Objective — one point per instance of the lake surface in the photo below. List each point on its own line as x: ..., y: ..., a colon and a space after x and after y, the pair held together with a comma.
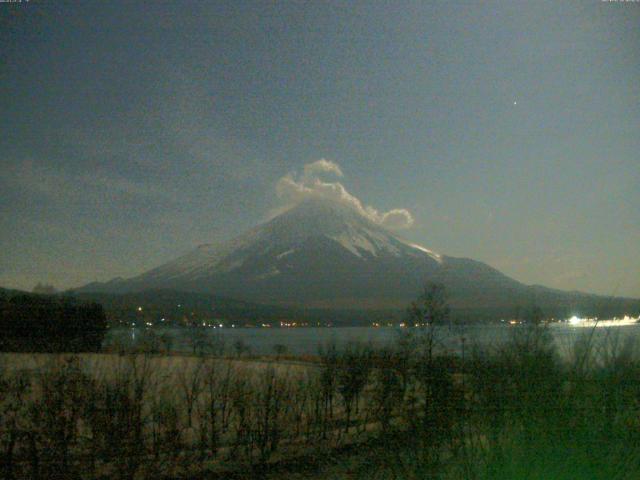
x: 301, y: 341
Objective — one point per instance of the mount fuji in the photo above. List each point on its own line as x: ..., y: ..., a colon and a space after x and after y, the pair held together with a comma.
x: 323, y: 254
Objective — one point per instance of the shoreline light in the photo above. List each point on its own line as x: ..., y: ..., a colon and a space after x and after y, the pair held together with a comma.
x: 576, y: 321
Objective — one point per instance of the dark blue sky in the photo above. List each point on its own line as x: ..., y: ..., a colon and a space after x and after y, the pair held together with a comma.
x: 133, y: 131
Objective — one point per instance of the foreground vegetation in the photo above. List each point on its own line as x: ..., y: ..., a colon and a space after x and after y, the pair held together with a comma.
x: 522, y: 410
x: 405, y: 411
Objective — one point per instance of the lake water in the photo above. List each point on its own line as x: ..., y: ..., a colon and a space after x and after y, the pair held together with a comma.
x: 300, y: 341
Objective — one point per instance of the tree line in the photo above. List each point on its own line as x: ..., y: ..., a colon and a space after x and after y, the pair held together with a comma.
x: 50, y: 323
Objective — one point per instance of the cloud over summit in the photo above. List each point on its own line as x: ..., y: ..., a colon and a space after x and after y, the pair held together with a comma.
x: 294, y: 189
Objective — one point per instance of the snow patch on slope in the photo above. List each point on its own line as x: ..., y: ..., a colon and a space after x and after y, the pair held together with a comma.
x: 432, y: 254
x: 359, y: 240
x: 354, y: 243
x: 284, y: 254
x: 271, y: 273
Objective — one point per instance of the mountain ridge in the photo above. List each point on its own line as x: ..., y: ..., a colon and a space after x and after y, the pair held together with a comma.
x: 323, y: 254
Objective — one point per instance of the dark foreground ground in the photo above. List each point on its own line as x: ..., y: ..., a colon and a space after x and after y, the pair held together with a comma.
x: 404, y: 411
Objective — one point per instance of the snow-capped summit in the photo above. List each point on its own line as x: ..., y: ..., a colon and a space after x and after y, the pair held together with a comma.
x: 330, y: 219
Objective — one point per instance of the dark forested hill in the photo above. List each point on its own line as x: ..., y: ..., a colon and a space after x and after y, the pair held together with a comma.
x: 36, y: 322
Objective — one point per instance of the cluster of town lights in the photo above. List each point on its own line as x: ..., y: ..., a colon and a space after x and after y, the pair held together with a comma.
x: 574, y: 321
x: 293, y: 324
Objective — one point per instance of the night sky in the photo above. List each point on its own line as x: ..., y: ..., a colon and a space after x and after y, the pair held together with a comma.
x: 133, y: 131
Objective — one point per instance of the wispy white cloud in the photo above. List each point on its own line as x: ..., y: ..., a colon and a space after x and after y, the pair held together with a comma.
x: 322, y: 166
x: 63, y: 185
x: 293, y: 189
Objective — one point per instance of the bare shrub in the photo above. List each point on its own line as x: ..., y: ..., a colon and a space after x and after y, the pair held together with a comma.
x: 55, y: 414
x: 328, y: 383
x: 190, y: 384
x: 387, y: 390
x: 240, y: 347
x: 119, y: 415
x: 279, y: 350
x: 14, y: 393
x: 354, y: 366
x: 240, y: 419
x: 270, y: 411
